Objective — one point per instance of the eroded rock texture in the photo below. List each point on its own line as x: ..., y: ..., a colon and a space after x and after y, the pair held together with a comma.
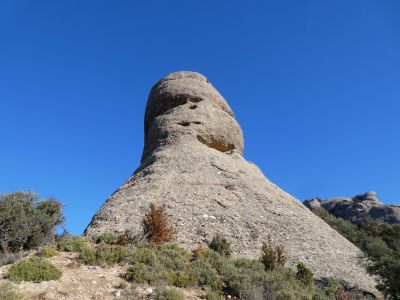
x: 192, y: 162
x: 358, y: 208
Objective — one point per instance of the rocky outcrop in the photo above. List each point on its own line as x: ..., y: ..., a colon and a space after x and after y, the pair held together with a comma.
x: 357, y: 208
x: 192, y: 162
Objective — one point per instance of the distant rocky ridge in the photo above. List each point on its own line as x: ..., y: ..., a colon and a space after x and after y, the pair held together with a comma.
x: 357, y: 208
x: 192, y: 162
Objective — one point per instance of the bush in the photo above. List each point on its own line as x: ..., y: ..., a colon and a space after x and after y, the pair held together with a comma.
x: 156, y: 226
x: 26, y: 222
x: 272, y: 256
x: 103, y: 255
x: 304, y: 274
x: 7, y: 292
x: 169, y: 294
x: 35, y: 269
x: 71, y: 244
x: 221, y: 245
x: 106, y: 237
x: 48, y: 251
x: 160, y: 263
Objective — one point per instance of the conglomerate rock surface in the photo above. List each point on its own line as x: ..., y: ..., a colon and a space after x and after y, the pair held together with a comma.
x: 192, y: 162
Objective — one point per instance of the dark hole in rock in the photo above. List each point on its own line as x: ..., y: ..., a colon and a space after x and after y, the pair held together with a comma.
x: 184, y: 123
x: 215, y: 144
x: 197, y: 122
x: 194, y: 106
x: 230, y: 187
x: 194, y: 99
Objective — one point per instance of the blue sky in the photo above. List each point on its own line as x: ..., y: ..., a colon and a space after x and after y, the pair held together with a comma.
x: 315, y: 86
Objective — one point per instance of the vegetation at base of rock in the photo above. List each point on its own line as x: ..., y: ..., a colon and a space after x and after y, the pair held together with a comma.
x: 34, y: 269
x: 221, y: 245
x: 106, y: 237
x: 218, y: 274
x: 48, y: 251
x: 156, y: 226
x: 71, y: 244
x: 169, y: 294
x: 103, y: 255
x: 272, y: 256
x: 380, y: 241
x: 27, y: 222
x: 304, y: 274
x: 7, y: 292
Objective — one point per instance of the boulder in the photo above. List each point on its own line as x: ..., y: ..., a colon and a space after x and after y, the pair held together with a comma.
x: 358, y: 208
x: 193, y: 163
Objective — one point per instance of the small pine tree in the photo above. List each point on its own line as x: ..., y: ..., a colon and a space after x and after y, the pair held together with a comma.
x: 156, y: 227
x: 272, y: 256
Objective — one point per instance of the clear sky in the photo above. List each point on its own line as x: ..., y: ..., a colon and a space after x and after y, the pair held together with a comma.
x: 315, y: 86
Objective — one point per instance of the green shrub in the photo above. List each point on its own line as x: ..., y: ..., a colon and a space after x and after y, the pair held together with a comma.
x: 71, y: 244
x: 272, y: 256
x: 213, y: 295
x: 221, y: 245
x: 166, y: 263
x: 169, y: 294
x: 7, y: 292
x: 205, y: 275
x: 48, y: 251
x: 26, y: 222
x: 106, y: 237
x: 304, y: 274
x: 103, y: 255
x: 35, y: 269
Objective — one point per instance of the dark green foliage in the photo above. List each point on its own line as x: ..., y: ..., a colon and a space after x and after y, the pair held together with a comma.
x: 272, y: 256
x: 7, y: 292
x: 221, y: 245
x: 379, y: 241
x: 169, y: 294
x: 26, y: 222
x: 35, y: 269
x: 388, y: 270
x: 304, y: 274
x: 71, y: 244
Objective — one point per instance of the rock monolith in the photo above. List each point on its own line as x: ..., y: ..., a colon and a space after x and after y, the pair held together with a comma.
x: 193, y: 163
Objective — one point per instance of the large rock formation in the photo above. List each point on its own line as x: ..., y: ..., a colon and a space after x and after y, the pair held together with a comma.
x: 192, y: 162
x: 357, y: 208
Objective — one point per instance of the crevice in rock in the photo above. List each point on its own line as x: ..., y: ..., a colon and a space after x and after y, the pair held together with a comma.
x: 184, y: 123
x: 230, y: 187
x: 215, y: 144
x: 196, y: 122
x: 194, y: 106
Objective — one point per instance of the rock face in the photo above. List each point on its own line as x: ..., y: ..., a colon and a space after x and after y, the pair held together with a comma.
x: 358, y: 208
x: 192, y: 162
